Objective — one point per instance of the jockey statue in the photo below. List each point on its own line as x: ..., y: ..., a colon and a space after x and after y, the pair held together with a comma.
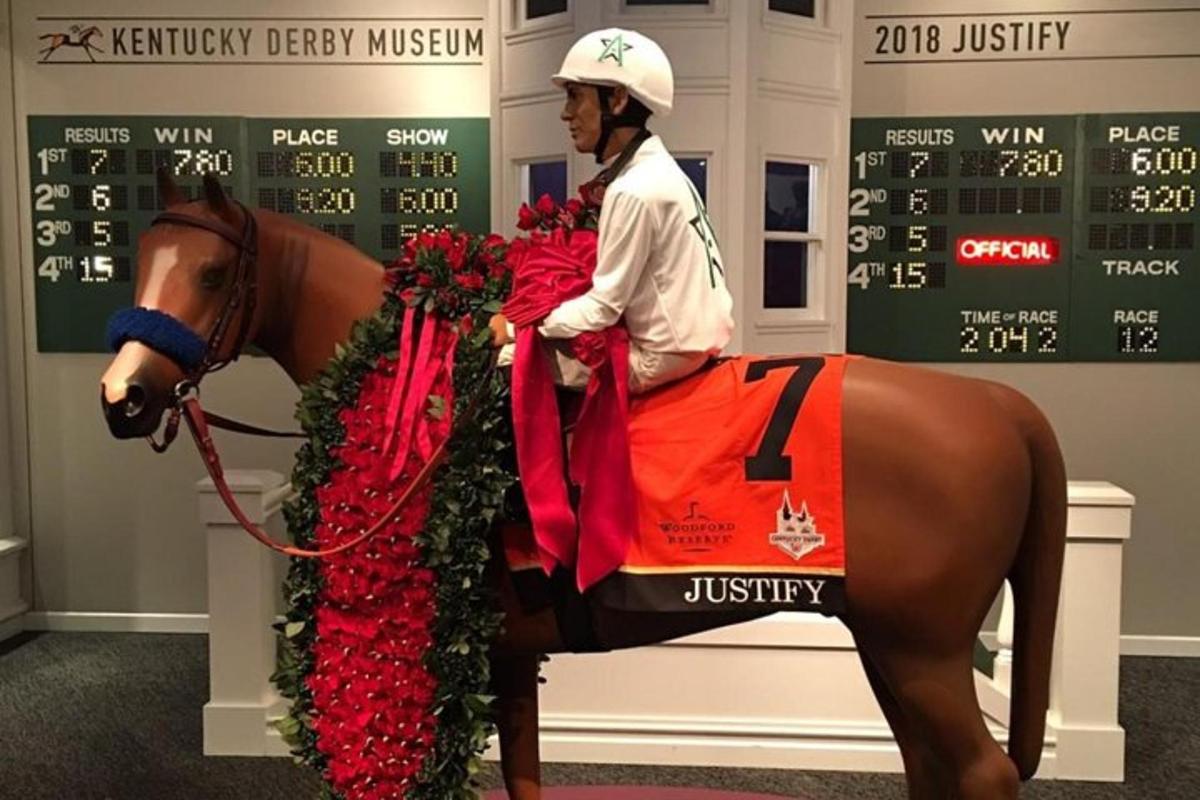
x: 658, y: 266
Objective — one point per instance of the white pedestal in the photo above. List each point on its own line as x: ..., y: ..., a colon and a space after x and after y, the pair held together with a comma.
x: 243, y: 586
x: 12, y: 605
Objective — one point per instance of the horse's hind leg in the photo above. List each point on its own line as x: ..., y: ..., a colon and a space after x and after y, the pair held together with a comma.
x: 923, y: 771
x: 936, y: 695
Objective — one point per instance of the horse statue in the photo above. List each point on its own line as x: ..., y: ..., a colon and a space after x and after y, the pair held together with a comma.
x: 952, y: 485
x: 83, y: 40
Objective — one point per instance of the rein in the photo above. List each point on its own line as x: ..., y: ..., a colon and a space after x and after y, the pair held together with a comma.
x: 185, y: 400
x: 197, y: 423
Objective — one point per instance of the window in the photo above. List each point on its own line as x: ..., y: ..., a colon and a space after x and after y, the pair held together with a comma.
x: 544, y: 8
x: 697, y: 171
x: 788, y: 232
x: 544, y: 177
x: 801, y: 8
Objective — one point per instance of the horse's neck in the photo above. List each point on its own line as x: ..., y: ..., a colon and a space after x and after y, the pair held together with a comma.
x: 313, y: 288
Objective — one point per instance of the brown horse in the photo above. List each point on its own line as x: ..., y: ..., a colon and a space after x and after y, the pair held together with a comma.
x: 951, y: 486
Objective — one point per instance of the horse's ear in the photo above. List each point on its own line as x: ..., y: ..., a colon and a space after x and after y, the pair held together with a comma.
x: 215, y: 195
x: 168, y: 190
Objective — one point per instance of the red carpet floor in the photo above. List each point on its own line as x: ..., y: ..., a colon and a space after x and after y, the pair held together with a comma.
x: 638, y: 793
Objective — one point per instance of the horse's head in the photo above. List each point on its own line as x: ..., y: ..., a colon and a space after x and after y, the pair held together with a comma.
x: 194, y: 288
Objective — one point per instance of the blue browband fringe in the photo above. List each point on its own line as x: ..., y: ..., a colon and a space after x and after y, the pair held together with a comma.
x: 160, y: 332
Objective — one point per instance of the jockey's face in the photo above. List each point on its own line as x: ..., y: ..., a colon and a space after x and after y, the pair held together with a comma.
x: 581, y: 112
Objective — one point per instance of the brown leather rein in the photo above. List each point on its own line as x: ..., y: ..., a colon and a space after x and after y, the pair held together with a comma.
x: 185, y: 400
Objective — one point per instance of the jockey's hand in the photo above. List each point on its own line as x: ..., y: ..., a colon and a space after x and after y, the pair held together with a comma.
x: 499, y: 326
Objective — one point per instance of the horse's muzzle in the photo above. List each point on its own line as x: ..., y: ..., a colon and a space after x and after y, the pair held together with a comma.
x: 135, y: 414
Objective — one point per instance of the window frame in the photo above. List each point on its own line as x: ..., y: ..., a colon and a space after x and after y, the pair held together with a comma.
x: 815, y: 238
x: 714, y: 9
x: 773, y: 18
x: 523, y: 182
x: 522, y: 24
x: 698, y: 155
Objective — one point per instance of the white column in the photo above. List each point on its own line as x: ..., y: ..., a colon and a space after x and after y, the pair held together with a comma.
x: 1085, y: 676
x: 243, y: 587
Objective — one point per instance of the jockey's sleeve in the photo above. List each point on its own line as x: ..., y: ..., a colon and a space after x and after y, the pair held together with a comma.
x: 626, y: 233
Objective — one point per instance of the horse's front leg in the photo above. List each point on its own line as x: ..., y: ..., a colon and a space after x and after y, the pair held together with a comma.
x: 515, y: 682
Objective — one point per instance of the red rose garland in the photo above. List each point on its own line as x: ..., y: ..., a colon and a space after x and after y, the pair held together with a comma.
x: 385, y: 645
x: 371, y: 691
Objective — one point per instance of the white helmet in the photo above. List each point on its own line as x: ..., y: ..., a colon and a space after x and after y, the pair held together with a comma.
x: 617, y: 57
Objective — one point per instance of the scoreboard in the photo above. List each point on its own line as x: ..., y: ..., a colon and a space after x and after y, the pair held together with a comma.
x: 373, y: 182
x: 1052, y: 238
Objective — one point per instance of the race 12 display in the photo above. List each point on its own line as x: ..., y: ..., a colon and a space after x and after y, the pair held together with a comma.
x: 371, y: 182
x: 1024, y: 238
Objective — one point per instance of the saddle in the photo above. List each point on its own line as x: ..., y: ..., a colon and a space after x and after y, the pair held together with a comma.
x: 738, y: 477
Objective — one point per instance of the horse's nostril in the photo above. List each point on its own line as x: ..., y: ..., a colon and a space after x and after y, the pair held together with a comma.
x: 135, y: 400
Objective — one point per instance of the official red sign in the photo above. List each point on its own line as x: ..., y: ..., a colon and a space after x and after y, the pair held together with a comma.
x: 1006, y: 251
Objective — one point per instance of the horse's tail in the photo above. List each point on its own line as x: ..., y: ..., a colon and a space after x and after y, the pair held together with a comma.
x: 1035, y: 577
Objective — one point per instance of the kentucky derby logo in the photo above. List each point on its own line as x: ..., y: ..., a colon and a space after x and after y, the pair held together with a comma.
x: 795, y: 534
x: 77, y: 36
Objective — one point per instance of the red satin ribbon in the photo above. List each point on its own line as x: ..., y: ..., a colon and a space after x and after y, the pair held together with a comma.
x: 410, y: 393
x: 602, y: 468
x: 553, y: 269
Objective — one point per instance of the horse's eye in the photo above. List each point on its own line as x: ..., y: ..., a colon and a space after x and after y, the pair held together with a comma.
x: 213, y: 277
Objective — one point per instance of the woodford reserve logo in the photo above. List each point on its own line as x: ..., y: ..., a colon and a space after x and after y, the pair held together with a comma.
x: 695, y: 532
x: 448, y: 41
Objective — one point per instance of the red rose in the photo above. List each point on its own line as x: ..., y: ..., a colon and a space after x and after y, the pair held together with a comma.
x: 574, y: 207
x: 469, y: 280
x: 445, y: 240
x: 425, y: 279
x: 592, y: 193
x: 527, y: 218
x: 456, y: 255
x: 590, y: 348
x: 546, y: 205
x: 493, y: 240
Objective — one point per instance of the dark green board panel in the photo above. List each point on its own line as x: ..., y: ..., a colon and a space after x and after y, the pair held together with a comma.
x: 1135, y: 278
x: 1017, y: 238
x: 371, y: 181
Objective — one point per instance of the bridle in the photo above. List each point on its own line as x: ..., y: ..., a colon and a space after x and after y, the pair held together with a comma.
x: 243, y: 293
x: 185, y: 398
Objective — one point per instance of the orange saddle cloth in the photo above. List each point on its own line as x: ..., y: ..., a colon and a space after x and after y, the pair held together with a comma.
x: 738, y: 472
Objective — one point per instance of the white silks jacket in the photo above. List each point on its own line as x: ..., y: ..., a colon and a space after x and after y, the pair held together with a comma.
x: 658, y: 266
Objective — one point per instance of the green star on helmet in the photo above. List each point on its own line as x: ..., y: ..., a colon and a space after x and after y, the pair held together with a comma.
x: 615, y: 49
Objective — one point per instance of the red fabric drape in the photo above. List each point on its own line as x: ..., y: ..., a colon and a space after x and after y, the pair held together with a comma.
x: 550, y: 270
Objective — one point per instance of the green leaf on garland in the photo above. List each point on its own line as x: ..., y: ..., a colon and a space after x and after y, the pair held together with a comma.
x: 437, y: 406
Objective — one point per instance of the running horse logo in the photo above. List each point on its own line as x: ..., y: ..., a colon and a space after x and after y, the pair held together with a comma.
x: 83, y: 38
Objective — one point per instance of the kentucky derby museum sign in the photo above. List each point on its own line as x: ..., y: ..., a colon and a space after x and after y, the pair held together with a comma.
x: 346, y: 124
x: 134, y: 40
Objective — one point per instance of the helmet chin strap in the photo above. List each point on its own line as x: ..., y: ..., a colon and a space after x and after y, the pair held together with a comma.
x: 609, y: 122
